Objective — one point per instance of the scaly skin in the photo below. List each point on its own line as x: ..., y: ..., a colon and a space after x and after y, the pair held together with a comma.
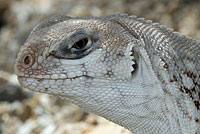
x: 138, y: 74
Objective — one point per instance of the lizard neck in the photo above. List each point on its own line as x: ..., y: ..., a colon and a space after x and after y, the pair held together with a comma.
x: 173, y: 57
x: 173, y: 64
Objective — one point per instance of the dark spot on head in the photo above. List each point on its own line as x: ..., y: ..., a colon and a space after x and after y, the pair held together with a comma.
x: 199, y: 95
x: 193, y: 89
x: 196, y: 84
x: 186, y: 90
x: 189, y: 74
x: 174, y: 77
x: 190, y: 117
x: 181, y: 90
x: 166, y: 66
x: 109, y: 73
x: 40, y: 80
x: 197, y: 120
x: 197, y: 104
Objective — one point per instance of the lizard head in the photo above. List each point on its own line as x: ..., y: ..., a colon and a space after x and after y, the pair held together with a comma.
x: 113, y: 66
x: 92, y: 62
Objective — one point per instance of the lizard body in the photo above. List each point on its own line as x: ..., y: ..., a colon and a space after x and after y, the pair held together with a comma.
x: 136, y: 73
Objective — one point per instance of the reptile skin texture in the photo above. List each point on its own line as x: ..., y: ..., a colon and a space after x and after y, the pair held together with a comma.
x: 131, y: 71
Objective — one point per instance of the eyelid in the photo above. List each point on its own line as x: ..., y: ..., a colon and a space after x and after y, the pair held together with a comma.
x: 65, y: 43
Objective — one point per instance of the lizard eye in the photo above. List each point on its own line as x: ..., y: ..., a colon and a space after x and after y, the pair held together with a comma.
x: 76, y: 46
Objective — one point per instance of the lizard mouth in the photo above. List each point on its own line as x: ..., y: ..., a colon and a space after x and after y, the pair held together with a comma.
x: 22, y: 75
x: 25, y: 78
x: 41, y: 79
x: 44, y: 84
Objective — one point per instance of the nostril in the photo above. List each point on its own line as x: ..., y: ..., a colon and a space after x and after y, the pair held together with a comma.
x: 28, y: 60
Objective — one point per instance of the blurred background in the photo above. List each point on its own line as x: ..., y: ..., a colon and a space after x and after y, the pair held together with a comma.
x: 25, y: 112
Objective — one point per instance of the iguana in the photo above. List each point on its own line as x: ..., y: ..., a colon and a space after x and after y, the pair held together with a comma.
x: 131, y: 71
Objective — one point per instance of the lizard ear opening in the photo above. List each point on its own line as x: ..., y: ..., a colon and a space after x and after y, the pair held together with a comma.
x: 127, y: 65
x: 134, y: 57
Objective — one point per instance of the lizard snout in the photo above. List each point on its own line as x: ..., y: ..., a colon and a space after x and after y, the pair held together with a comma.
x: 23, y: 62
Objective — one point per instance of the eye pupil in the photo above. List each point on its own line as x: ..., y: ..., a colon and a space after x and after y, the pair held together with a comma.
x: 81, y: 43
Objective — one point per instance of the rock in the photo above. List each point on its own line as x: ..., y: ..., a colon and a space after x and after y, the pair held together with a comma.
x: 12, y: 93
x: 9, y: 88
